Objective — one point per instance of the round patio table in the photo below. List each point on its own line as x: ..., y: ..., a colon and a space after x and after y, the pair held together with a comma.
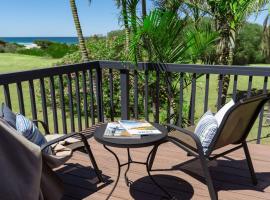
x: 144, y: 141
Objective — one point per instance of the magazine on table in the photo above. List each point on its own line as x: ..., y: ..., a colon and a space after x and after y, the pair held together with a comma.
x: 115, y: 130
x: 135, y: 127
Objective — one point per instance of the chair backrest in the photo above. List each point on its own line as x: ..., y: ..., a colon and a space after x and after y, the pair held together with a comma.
x: 22, y: 160
x: 238, y: 121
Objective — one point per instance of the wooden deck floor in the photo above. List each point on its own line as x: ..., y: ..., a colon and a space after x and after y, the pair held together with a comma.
x: 184, y: 181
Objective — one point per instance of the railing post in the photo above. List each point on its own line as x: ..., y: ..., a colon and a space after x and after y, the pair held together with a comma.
x: 124, y: 83
x: 261, y: 113
x: 99, y: 94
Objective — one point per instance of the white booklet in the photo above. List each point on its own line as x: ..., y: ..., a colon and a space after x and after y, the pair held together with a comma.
x: 135, y: 127
x: 115, y: 130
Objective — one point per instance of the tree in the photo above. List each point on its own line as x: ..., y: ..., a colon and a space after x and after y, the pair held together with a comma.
x: 171, y: 40
x: 124, y: 14
x: 129, y: 17
x: 266, y: 39
x: 229, y: 15
x: 247, y: 48
x: 132, y: 9
x: 77, y: 23
x: 168, y: 5
x: 144, y: 13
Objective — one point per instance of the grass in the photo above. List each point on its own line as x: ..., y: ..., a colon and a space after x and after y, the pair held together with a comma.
x: 15, y: 62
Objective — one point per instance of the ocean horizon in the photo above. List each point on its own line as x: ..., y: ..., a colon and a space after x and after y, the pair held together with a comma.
x: 30, y: 40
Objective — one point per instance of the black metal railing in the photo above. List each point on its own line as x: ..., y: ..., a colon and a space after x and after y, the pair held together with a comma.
x: 73, y: 97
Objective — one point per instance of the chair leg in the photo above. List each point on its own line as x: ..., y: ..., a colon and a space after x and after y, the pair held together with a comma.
x: 152, y: 158
x: 250, y: 165
x: 208, y: 178
x: 92, y: 159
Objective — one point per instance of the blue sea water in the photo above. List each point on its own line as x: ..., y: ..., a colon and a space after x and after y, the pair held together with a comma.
x: 30, y: 40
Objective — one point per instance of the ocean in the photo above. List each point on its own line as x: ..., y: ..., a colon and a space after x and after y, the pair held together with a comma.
x: 30, y: 40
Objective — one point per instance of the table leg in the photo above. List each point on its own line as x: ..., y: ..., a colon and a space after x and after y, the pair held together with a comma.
x: 128, y: 182
x: 119, y: 170
x: 148, y: 169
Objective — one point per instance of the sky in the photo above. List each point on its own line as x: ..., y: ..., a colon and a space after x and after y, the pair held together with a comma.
x: 37, y: 18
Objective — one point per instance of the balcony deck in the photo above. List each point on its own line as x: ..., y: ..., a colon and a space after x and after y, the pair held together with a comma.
x: 230, y: 175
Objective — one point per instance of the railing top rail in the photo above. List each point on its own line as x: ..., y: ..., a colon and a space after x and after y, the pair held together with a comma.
x: 20, y: 76
x: 190, y: 68
x: 14, y: 77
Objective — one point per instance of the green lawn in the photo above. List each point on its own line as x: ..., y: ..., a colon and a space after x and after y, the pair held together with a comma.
x: 15, y: 62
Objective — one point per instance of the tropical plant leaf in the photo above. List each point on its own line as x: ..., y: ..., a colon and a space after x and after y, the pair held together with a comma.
x: 171, y: 38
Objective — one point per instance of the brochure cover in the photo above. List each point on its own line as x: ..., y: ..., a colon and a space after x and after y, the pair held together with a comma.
x: 115, y: 130
x: 135, y: 127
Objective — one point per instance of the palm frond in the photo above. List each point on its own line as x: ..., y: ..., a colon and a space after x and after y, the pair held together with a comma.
x: 171, y: 38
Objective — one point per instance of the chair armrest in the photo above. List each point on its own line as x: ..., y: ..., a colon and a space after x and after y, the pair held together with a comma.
x: 194, y: 137
x: 61, y: 139
x: 44, y: 125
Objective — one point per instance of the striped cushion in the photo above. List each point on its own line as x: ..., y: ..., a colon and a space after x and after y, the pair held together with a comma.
x: 206, y: 129
x: 30, y: 131
x: 8, y: 115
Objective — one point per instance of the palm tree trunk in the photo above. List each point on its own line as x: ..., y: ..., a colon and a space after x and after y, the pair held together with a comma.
x: 146, y: 42
x: 133, y: 14
x: 127, y: 30
x: 224, y: 50
x: 82, y: 45
x: 144, y: 8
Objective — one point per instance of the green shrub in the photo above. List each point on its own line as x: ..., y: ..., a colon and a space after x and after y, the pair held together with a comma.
x: 100, y: 48
x: 2, y: 46
x: 54, y: 49
x: 71, y: 58
x: 32, y: 52
x: 2, y: 49
x: 43, y: 44
x: 50, y: 49
x: 259, y: 58
x: 58, y: 50
x: 6, y: 47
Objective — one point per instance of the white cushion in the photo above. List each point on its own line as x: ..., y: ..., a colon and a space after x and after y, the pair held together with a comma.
x: 67, y: 141
x: 206, y: 129
x: 221, y: 113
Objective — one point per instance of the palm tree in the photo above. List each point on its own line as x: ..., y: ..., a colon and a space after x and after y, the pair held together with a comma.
x: 171, y: 40
x: 129, y: 16
x: 229, y: 15
x: 82, y: 46
x: 124, y: 14
x: 144, y: 13
x: 132, y: 9
x: 168, y: 5
x: 236, y: 13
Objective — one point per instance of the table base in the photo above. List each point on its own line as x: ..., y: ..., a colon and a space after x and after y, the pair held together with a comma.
x: 129, y: 182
